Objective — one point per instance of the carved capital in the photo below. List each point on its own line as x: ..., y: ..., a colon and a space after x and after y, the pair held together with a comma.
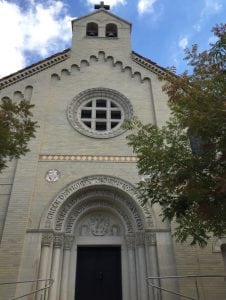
x: 68, y: 241
x: 58, y: 240
x: 150, y: 238
x: 130, y: 242
x: 140, y: 238
x: 47, y: 239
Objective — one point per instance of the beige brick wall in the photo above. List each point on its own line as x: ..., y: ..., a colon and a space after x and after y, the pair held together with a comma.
x: 22, y: 206
x: 193, y: 260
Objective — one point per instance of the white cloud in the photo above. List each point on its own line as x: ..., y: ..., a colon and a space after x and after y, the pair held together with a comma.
x: 212, y: 6
x: 212, y: 39
x: 183, y: 42
x: 145, y: 6
x: 40, y: 29
x: 108, y: 2
x: 197, y: 27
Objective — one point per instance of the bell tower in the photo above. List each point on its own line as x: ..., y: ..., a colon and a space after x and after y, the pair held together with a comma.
x: 101, y: 31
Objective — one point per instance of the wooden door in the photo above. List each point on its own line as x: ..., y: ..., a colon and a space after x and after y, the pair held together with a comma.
x: 98, y: 275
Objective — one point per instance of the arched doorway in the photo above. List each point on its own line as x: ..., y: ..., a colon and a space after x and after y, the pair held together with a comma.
x: 99, y: 213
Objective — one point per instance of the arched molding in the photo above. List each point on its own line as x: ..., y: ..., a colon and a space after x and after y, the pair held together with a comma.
x: 87, y: 206
x: 65, y: 72
x: 55, y: 77
x: 98, y: 220
x: 102, y: 57
x: 119, y: 190
x: 18, y: 96
x: 84, y: 63
x: 28, y: 92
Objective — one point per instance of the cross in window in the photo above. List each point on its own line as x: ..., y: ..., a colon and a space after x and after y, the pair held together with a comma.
x: 102, y: 5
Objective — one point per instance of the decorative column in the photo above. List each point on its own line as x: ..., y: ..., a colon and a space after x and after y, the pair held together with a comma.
x: 47, y: 240
x: 56, y: 266
x: 130, y: 243
x: 142, y: 268
x: 68, y: 242
x: 150, y: 240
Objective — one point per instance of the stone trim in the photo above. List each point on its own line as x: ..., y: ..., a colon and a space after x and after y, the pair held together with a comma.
x: 34, y: 69
x: 59, y: 57
x: 68, y: 241
x: 84, y: 207
x: 130, y: 242
x: 77, y: 206
x: 88, y: 158
x: 92, y: 181
x: 58, y: 240
x: 140, y: 239
x: 150, y: 238
x: 92, y: 94
x: 47, y: 239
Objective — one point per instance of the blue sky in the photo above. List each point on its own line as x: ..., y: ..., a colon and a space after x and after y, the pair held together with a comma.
x: 31, y: 30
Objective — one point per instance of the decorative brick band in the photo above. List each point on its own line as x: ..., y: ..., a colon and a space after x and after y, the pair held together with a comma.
x: 96, y: 158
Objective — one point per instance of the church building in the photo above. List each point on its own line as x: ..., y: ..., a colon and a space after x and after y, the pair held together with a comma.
x: 70, y: 210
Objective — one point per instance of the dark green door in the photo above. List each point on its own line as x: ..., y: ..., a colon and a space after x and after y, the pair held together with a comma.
x: 98, y: 275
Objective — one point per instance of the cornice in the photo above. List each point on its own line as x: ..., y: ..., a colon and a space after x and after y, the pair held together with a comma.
x: 34, y: 69
x: 62, y: 56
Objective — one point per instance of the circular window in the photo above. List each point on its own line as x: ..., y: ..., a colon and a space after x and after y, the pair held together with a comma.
x: 99, y: 112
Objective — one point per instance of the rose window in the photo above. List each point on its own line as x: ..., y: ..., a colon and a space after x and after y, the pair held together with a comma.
x: 99, y: 112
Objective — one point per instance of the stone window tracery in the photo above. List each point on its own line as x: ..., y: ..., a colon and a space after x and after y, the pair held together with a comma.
x: 99, y: 112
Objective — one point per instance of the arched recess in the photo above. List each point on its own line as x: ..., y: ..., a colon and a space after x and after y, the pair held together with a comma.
x: 98, y: 210
x: 92, y: 29
x: 111, y: 30
x: 75, y: 191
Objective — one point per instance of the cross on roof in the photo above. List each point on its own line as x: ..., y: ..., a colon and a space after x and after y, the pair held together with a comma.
x: 102, y: 5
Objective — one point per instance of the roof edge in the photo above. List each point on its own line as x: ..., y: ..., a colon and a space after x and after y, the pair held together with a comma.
x: 102, y: 10
x: 63, y: 55
x: 150, y: 65
x: 34, y: 68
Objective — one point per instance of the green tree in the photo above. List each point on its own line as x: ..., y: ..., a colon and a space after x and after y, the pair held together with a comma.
x: 16, y: 129
x: 184, y: 162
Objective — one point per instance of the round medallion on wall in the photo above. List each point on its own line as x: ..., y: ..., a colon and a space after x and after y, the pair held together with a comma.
x: 52, y: 175
x: 99, y: 112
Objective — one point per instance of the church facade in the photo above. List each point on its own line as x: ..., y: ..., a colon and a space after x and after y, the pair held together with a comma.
x: 69, y: 209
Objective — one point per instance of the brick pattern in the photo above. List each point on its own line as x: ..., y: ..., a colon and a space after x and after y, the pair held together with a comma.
x: 91, y: 63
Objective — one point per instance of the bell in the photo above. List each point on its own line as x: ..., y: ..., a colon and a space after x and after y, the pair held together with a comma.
x: 91, y: 33
x: 111, y: 34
